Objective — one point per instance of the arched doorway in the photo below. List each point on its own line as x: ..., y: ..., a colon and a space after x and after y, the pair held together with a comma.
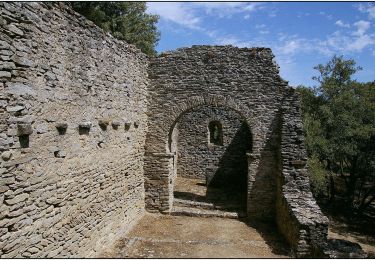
x: 209, y: 144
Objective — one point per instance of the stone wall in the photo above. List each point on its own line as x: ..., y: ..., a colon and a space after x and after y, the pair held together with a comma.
x: 196, y: 153
x: 244, y: 80
x: 72, y: 132
x: 299, y: 218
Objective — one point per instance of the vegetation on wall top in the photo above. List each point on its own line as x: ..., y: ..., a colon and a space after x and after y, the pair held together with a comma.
x: 126, y: 21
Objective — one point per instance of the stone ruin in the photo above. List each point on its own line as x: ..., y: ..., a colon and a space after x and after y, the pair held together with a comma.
x: 93, y: 134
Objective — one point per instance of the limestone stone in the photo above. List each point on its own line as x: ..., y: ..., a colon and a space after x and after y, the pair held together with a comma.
x: 13, y: 28
x: 7, y: 66
x: 15, y: 108
x: 6, y: 155
x: 24, y: 129
x: 41, y: 128
x: 5, y: 74
x: 20, y: 89
x: 17, y: 199
x: 85, y: 125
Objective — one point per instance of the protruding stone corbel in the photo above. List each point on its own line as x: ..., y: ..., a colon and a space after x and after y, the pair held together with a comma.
x: 116, y: 124
x: 24, y: 129
x: 84, y: 128
x: 103, y: 123
x: 61, y: 127
x: 127, y: 126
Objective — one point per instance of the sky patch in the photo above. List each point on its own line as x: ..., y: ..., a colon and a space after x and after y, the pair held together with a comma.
x: 300, y: 34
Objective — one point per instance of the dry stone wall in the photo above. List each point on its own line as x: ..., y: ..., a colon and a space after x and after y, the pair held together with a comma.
x: 299, y: 218
x: 72, y: 132
x: 187, y: 81
x: 245, y: 80
x: 196, y: 153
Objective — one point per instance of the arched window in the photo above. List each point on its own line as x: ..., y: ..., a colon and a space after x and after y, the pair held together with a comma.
x: 215, y: 133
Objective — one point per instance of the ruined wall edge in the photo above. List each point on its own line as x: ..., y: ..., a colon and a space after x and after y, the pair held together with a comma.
x: 298, y: 216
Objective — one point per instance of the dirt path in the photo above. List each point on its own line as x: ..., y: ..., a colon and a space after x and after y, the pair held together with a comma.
x: 165, y: 236
x: 366, y: 242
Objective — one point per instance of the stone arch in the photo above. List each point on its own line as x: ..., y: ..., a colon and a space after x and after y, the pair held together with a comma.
x: 160, y: 165
x: 198, y: 101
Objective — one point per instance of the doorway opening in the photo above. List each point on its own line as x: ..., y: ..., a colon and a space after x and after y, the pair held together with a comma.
x: 210, y: 163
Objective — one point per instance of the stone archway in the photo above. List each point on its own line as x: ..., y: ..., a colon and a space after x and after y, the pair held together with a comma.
x: 205, y: 173
x: 162, y: 165
x: 245, y: 81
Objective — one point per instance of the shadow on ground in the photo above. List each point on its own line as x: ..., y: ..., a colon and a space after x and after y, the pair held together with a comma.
x: 271, y: 235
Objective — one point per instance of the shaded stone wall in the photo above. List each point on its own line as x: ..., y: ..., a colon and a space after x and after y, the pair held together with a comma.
x: 197, y: 156
x: 72, y: 131
x: 245, y: 80
x: 299, y: 218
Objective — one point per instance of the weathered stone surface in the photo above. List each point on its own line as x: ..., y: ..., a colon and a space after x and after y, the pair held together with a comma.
x: 6, y: 155
x: 24, y: 129
x: 14, y: 29
x: 85, y: 125
x: 17, y: 199
x: 20, y: 89
x: 7, y: 66
x: 5, y: 74
x: 41, y: 128
x: 56, y: 186
x: 15, y: 108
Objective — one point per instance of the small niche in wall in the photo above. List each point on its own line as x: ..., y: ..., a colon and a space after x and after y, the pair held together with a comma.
x: 215, y: 132
x: 127, y: 126
x: 24, y: 141
x: 136, y: 124
x: 84, y: 128
x: 24, y: 131
x: 61, y: 128
x: 103, y: 123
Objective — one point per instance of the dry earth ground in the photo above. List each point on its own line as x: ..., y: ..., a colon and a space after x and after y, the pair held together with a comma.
x: 166, y: 236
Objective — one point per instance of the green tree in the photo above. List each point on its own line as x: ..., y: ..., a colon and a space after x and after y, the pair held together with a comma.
x: 126, y: 21
x: 339, y: 121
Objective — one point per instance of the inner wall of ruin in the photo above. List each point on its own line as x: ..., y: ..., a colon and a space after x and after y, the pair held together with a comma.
x: 243, y: 80
x: 73, y: 124
x: 197, y: 151
x: 186, y: 82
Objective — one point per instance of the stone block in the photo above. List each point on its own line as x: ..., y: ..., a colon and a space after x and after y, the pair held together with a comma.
x: 41, y: 128
x: 24, y: 129
x: 17, y: 199
x: 5, y: 74
x: 116, y: 124
x: 6, y: 155
x: 20, y: 89
x: 15, y: 108
x: 14, y: 29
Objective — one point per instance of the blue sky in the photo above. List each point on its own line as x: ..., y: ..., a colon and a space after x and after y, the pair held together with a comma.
x: 300, y: 34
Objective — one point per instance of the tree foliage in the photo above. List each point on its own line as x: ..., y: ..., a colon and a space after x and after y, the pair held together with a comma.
x: 339, y: 121
x: 126, y: 21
